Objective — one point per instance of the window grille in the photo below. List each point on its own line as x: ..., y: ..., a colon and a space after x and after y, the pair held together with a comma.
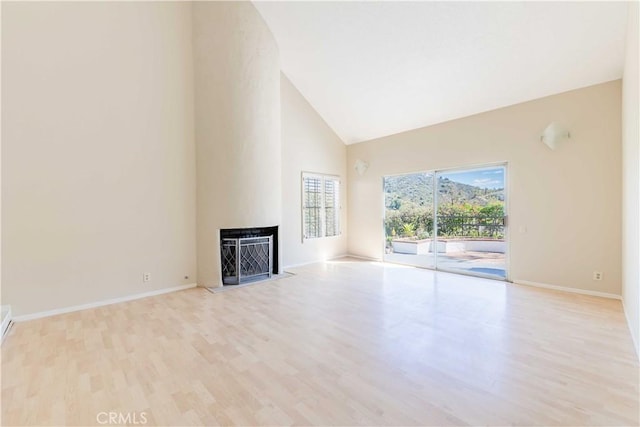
x: 331, y: 204
x: 320, y: 206
x: 312, y: 206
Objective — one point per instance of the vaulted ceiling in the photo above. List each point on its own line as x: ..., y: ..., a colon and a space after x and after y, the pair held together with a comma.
x: 372, y: 69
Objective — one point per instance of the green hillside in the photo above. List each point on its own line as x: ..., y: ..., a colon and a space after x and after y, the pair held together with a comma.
x: 415, y: 190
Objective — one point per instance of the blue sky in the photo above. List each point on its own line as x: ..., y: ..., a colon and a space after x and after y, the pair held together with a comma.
x: 483, y: 178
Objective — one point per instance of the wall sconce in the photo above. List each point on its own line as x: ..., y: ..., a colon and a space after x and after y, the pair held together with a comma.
x: 553, y: 134
x: 361, y: 167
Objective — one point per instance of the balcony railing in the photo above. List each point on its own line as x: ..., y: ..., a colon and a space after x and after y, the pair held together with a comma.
x: 471, y: 226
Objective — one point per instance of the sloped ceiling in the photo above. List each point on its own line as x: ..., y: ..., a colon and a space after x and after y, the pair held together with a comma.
x: 372, y: 69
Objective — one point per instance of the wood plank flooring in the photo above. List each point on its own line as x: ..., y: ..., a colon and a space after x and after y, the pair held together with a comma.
x: 339, y: 343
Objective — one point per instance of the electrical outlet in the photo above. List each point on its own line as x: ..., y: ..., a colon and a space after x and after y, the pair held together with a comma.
x: 146, y: 277
x: 597, y: 275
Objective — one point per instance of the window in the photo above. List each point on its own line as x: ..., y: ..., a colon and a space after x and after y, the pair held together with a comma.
x: 320, y: 206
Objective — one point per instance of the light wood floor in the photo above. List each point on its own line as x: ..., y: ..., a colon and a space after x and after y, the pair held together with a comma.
x: 342, y: 343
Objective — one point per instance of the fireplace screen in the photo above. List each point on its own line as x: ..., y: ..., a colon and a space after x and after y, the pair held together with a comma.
x: 246, y: 259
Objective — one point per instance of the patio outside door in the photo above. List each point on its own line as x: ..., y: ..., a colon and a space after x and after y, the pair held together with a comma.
x: 409, y: 217
x: 471, y: 221
x: 451, y: 220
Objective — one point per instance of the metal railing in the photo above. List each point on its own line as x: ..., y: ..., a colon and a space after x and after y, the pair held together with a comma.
x: 471, y: 226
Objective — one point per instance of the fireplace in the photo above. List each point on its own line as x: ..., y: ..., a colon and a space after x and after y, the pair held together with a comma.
x: 248, y: 254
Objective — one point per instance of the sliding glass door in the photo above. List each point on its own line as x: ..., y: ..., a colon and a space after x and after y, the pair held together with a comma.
x: 408, y: 220
x: 470, y: 221
x: 451, y: 220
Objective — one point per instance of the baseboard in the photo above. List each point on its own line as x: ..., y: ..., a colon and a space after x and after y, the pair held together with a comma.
x: 5, y: 325
x: 71, y: 309
x: 566, y: 289
x: 633, y: 338
x: 364, y: 258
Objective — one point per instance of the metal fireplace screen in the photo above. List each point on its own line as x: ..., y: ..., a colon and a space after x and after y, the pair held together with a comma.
x: 246, y: 259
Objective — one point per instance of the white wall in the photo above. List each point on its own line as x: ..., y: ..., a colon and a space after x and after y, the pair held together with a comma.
x: 1, y: 300
x: 98, y: 157
x: 569, y: 199
x: 631, y: 178
x: 237, y: 110
x: 309, y: 145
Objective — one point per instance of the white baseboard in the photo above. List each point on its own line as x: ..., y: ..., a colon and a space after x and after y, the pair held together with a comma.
x: 364, y: 258
x: 633, y: 338
x: 566, y: 289
x: 71, y: 309
x: 6, y: 322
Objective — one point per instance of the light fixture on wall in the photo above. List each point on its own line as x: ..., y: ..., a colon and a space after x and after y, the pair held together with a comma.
x: 553, y: 134
x: 361, y: 166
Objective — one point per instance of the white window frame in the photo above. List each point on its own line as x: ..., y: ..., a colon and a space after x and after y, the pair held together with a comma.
x: 323, y: 220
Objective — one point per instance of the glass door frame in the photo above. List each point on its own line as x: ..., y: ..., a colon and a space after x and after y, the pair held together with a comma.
x: 435, y: 173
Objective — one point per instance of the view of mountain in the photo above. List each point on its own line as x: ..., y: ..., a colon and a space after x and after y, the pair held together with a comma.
x: 415, y: 190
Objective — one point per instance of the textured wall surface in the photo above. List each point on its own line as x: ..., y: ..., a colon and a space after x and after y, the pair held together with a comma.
x: 237, y: 117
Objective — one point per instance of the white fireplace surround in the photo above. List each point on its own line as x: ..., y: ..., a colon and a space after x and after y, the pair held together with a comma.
x: 237, y: 127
